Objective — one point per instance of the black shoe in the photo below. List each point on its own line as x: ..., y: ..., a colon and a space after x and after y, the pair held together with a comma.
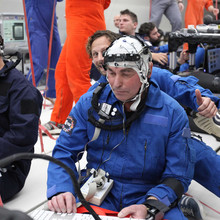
x: 191, y: 207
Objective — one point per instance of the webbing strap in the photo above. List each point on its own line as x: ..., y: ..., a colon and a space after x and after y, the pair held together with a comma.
x: 29, y: 44
x: 32, y: 66
x: 92, y: 191
x: 42, y: 128
x: 50, y: 46
x: 1, y: 203
x: 150, y: 9
x: 98, y: 210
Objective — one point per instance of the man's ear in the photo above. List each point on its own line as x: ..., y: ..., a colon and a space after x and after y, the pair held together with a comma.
x: 135, y: 25
x: 150, y: 69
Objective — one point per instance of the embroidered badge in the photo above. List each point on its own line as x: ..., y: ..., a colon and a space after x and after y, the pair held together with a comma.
x: 69, y: 125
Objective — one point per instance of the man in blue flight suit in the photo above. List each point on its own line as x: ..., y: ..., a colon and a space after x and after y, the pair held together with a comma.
x: 148, y: 172
x: 149, y: 32
x: 20, y: 108
x: 39, y: 16
x: 187, y: 92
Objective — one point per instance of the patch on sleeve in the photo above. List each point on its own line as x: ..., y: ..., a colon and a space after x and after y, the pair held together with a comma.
x: 156, y: 120
x: 186, y: 133
x: 69, y: 125
x: 29, y: 106
x: 4, y: 88
x: 175, y: 77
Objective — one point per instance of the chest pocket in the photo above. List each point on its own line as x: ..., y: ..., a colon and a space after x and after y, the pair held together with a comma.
x: 153, y: 164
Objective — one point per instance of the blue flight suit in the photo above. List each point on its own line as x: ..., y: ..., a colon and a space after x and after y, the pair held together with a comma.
x: 207, y: 167
x: 141, y: 159
x: 199, y: 57
x: 39, y: 16
x: 20, y: 108
x: 183, y: 89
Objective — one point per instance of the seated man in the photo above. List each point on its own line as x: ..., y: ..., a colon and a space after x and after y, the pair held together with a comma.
x: 149, y: 32
x: 127, y: 26
x: 147, y: 171
x: 186, y: 91
x: 20, y: 108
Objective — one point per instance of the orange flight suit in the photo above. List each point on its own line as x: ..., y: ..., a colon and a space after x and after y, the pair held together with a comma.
x: 83, y: 18
x: 195, y: 11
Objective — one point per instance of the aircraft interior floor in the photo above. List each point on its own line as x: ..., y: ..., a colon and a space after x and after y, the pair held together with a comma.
x: 34, y: 192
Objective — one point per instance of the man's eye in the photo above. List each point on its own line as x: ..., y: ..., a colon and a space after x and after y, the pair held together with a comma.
x: 94, y: 54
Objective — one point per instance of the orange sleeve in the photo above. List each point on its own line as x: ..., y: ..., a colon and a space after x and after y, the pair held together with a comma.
x: 107, y: 3
x: 208, y: 3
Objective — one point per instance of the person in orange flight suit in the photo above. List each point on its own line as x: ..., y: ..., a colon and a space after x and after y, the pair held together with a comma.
x: 195, y: 12
x: 83, y: 18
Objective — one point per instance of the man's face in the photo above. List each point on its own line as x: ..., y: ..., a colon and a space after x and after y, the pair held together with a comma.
x: 98, y: 47
x: 126, y: 25
x: 154, y: 35
x: 117, y: 20
x: 125, y: 82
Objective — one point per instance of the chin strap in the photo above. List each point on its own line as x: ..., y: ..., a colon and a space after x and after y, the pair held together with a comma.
x: 137, y: 98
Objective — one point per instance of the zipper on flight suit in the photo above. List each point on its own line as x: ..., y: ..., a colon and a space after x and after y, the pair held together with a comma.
x: 145, y: 151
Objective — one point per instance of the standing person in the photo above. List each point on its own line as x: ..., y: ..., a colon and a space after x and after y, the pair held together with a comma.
x: 127, y: 26
x: 195, y: 11
x: 170, y: 8
x: 156, y: 171
x: 116, y: 20
x: 39, y: 18
x: 83, y: 18
x: 20, y: 108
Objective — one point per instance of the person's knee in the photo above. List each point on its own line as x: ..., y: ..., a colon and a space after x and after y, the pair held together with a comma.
x: 12, y: 181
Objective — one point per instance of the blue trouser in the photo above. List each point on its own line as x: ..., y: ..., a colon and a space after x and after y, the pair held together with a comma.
x: 207, y: 167
x: 39, y: 15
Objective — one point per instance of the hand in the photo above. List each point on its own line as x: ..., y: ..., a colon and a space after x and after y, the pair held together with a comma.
x: 184, y: 56
x: 181, y: 6
x: 62, y: 203
x: 135, y: 211
x: 161, y: 58
x: 215, y: 11
x: 207, y: 107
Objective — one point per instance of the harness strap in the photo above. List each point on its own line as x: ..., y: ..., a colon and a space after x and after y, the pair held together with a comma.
x: 1, y: 203
x: 29, y: 44
x: 98, y: 210
x: 50, y: 46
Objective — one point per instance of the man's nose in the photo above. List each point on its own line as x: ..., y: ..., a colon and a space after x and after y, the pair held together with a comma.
x: 117, y: 81
x: 100, y: 57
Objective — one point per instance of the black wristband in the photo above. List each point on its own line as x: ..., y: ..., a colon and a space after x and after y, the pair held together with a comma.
x: 156, y: 204
x: 180, y: 2
x: 155, y: 209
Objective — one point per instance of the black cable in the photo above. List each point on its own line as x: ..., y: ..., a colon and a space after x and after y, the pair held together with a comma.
x: 8, y: 160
